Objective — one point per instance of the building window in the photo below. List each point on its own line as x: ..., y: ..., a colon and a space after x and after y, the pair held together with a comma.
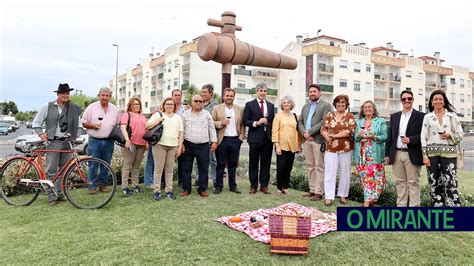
x: 356, y: 66
x: 175, y: 82
x: 468, y: 112
x: 356, y: 85
x: 169, y: 87
x: 331, y: 43
x: 453, y: 81
x: 468, y: 83
x: 128, y: 94
x: 241, y: 84
x: 461, y: 83
x: 408, y: 89
x: 420, y: 108
x: 462, y: 111
x: 146, y: 104
x: 241, y: 67
x: 387, y: 53
x: 343, y: 83
x: 291, y: 82
x: 461, y: 97
x: 176, y: 63
x: 420, y: 75
x: 368, y: 86
x: 368, y: 68
x: 408, y: 74
x: 420, y: 92
x: 342, y: 63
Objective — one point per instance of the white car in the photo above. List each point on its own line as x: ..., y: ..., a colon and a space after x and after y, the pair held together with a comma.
x: 22, y: 140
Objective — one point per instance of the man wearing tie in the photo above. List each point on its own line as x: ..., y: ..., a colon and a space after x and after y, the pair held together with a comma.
x: 258, y: 117
x: 309, y: 125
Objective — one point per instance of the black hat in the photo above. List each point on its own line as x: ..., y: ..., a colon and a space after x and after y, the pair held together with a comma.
x: 63, y: 88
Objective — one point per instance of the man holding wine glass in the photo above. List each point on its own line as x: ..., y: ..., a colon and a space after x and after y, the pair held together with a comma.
x: 230, y: 134
x: 258, y: 117
x: 403, y: 151
x: 99, y: 119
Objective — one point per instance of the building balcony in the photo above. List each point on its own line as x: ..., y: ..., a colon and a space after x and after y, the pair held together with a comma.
x: 186, y: 68
x: 243, y: 72
x: 244, y: 91
x: 272, y: 92
x: 265, y: 74
x: 326, y: 69
x: 327, y: 88
x: 380, y: 94
x: 395, y: 78
x: 380, y: 77
x: 430, y: 83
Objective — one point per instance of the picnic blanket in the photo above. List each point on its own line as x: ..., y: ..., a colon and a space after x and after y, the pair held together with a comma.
x: 321, y: 222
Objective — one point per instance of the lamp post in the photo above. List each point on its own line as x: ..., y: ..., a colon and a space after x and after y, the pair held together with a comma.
x: 317, y: 56
x: 116, y: 73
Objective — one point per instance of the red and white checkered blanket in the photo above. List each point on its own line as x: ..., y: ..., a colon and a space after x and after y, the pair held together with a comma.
x: 321, y: 222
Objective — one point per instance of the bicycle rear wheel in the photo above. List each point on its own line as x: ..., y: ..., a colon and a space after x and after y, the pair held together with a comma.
x: 90, y: 184
x: 19, y: 182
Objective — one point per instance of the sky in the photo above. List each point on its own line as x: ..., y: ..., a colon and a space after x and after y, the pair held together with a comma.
x: 44, y: 43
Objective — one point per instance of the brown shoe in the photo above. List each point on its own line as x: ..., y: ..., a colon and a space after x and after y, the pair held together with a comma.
x: 343, y: 200
x: 265, y: 190
x: 103, y: 189
x: 316, y: 197
x: 53, y: 202
x: 252, y: 191
x: 92, y: 192
x: 327, y: 203
x: 309, y: 194
x: 184, y: 194
x: 204, y: 194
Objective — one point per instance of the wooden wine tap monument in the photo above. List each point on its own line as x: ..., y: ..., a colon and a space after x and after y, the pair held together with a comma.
x: 224, y: 48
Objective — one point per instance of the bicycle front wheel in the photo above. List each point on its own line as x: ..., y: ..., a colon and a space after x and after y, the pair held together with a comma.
x: 89, y: 184
x: 19, y: 184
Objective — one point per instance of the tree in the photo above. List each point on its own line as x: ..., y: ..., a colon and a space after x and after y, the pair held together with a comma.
x: 193, y: 90
x: 82, y: 100
x: 25, y: 116
x: 8, y: 107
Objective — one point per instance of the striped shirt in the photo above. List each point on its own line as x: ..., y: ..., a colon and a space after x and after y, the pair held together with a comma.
x: 199, y: 127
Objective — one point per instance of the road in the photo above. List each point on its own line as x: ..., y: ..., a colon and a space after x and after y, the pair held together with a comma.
x: 7, y: 146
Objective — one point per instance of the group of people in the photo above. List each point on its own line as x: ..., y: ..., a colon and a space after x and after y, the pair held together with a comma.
x: 330, y: 137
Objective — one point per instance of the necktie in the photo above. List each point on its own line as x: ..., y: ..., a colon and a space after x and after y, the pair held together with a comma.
x: 261, y: 107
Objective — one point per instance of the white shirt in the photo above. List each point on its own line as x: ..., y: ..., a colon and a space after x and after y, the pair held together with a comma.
x: 231, y: 128
x: 402, y: 129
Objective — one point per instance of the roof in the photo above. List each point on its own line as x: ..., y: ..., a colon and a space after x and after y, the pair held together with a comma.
x: 381, y: 48
x: 324, y: 37
x: 429, y: 58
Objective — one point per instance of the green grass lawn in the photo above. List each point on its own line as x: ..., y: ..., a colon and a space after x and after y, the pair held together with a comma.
x: 140, y: 230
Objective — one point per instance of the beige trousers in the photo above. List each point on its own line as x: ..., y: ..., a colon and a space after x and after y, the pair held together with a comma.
x: 407, y: 180
x: 164, y: 157
x: 131, y: 165
x: 315, y: 166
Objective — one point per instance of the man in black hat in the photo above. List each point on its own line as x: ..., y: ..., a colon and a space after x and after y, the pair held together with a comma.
x: 60, y: 117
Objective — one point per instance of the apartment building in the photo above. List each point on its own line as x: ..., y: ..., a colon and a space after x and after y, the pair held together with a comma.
x: 379, y: 74
x: 180, y: 67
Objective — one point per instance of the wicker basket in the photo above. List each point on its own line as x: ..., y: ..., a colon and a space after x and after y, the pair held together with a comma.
x: 289, y: 233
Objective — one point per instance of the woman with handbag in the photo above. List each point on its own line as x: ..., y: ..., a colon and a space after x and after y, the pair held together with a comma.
x: 287, y: 141
x: 337, y: 129
x: 132, y: 125
x: 369, y: 153
x: 168, y: 148
x: 440, y: 134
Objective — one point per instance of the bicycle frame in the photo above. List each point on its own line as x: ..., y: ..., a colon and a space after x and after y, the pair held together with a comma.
x: 37, y: 162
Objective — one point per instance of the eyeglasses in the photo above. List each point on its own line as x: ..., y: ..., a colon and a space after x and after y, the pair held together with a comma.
x: 197, y: 101
x: 407, y: 99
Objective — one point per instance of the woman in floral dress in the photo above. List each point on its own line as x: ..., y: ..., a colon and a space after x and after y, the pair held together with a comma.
x: 369, y: 153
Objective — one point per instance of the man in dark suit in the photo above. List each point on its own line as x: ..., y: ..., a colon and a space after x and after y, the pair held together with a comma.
x: 403, y: 151
x: 309, y: 125
x: 258, y: 117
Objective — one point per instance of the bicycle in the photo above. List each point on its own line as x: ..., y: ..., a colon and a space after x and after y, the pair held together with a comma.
x: 23, y: 178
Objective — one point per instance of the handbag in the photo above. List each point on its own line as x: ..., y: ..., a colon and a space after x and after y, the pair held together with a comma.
x: 116, y: 134
x: 153, y: 135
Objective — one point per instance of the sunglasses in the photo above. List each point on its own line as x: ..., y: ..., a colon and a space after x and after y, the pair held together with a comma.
x: 407, y: 99
x: 197, y: 101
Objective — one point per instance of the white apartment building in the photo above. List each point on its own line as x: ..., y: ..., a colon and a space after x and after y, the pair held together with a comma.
x: 179, y: 67
x: 379, y: 74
